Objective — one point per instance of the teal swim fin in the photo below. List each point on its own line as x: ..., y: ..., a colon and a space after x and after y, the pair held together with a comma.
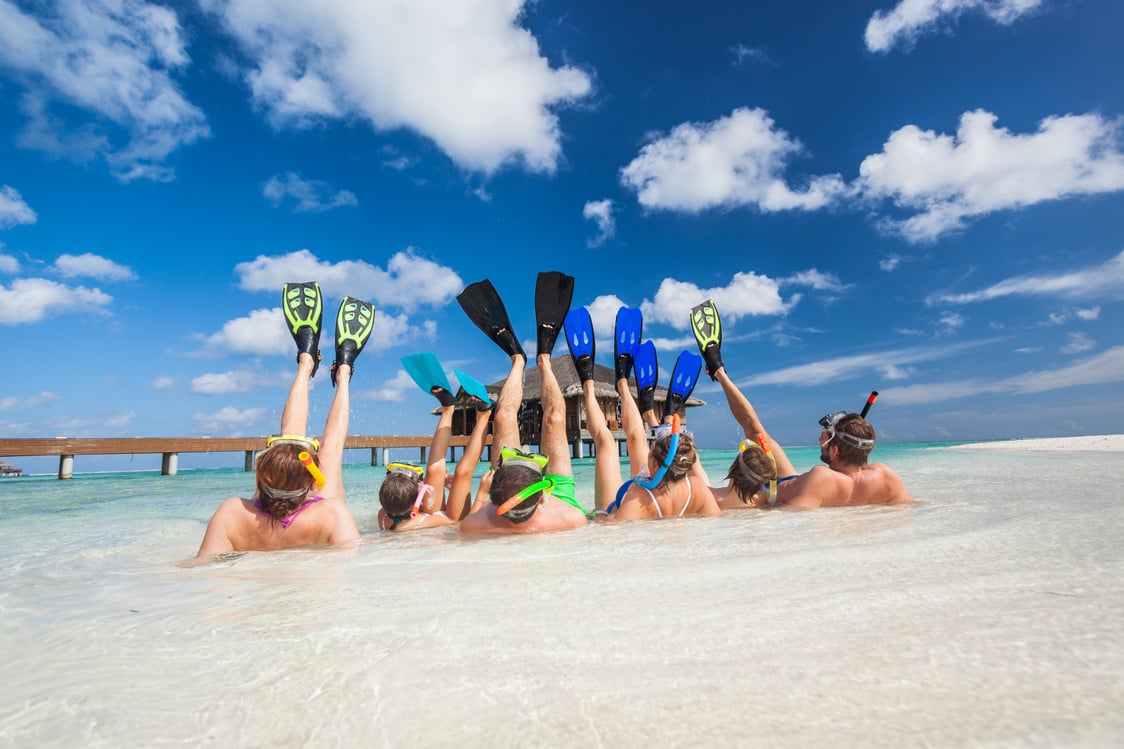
x: 304, y: 313
x: 354, y: 323
x: 647, y: 373
x: 553, y: 293
x: 475, y: 390
x: 426, y: 371
x: 630, y: 323
x: 683, y: 378
x: 485, y: 308
x: 579, y: 337
x: 707, y: 327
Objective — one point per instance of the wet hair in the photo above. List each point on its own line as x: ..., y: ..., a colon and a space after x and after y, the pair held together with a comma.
x: 751, y: 460
x: 509, y: 481
x: 855, y: 426
x: 398, y: 494
x: 685, y: 457
x: 281, y: 474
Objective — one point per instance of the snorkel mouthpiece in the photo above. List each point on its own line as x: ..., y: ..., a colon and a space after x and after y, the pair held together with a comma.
x: 306, y: 461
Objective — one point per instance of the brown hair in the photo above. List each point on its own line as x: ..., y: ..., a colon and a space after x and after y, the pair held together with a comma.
x: 855, y: 426
x: 751, y: 460
x: 279, y: 471
x: 684, y: 458
x: 509, y: 481
x: 398, y: 494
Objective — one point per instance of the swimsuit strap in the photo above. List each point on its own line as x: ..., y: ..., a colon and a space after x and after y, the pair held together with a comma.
x: 287, y: 521
x: 656, y: 502
x: 688, y: 502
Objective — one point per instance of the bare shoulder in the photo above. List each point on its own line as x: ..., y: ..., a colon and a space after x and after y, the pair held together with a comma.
x: 481, y: 521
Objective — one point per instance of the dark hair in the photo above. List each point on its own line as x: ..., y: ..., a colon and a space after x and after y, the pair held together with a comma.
x: 279, y: 470
x: 509, y: 481
x: 752, y: 460
x: 855, y: 426
x: 398, y: 493
x: 685, y: 457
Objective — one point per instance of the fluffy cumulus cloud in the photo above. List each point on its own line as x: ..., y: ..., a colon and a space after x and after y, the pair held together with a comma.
x: 1104, y: 280
x: 113, y: 60
x: 601, y: 213
x: 909, y: 19
x: 229, y: 421
x: 224, y: 383
x: 30, y: 300
x: 732, y: 161
x: 747, y: 294
x: 89, y: 265
x: 309, y: 196
x: 463, y: 73
x: 409, y: 281
x: 13, y: 209
x: 947, y: 179
x: 9, y: 264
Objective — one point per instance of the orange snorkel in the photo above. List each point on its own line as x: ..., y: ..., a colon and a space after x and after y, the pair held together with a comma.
x: 311, y: 467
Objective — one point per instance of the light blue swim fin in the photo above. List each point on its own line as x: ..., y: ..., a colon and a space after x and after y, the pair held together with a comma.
x: 475, y: 389
x: 579, y: 337
x: 630, y: 323
x: 683, y: 378
x: 647, y: 373
x: 426, y: 371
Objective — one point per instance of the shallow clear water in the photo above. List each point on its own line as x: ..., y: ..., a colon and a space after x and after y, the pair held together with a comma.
x: 987, y: 616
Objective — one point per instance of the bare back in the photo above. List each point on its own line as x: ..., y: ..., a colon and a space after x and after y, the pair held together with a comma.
x: 874, y: 484
x: 238, y: 525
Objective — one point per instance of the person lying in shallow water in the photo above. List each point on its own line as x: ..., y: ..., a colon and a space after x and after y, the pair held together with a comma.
x: 300, y: 498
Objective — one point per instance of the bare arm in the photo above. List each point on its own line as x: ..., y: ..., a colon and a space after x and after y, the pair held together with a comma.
x: 807, y: 491
x: 746, y: 416
x: 457, y: 505
x: 436, y: 470
x: 217, y: 538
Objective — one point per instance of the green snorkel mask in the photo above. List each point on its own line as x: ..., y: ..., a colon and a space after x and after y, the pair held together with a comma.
x: 510, y: 456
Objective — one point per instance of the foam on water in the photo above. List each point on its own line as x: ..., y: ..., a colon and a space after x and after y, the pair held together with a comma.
x: 988, y: 615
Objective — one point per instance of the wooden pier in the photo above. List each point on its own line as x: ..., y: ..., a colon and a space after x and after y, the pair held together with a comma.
x: 169, y: 448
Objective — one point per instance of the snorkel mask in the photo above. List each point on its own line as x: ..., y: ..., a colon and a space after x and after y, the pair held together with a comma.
x: 829, y: 422
x: 510, y: 456
x: 406, y: 469
x: 672, y: 451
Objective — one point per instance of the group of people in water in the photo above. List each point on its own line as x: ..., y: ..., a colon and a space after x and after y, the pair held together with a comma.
x: 300, y: 498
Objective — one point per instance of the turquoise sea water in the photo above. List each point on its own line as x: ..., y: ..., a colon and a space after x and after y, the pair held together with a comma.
x: 988, y: 615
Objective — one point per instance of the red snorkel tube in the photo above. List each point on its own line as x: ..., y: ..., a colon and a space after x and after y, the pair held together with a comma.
x: 869, y: 402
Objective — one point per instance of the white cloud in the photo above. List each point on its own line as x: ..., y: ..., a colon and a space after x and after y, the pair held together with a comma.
x: 1106, y: 367
x: 950, y: 322
x: 1106, y: 279
x: 311, y: 196
x: 463, y: 73
x: 816, y: 279
x: 982, y: 169
x: 409, y: 281
x: 230, y: 421
x: 163, y: 383
x: 113, y: 59
x: 121, y: 420
x: 732, y: 161
x: 1078, y: 343
x: 910, y: 19
x: 391, y: 391
x: 894, y: 372
x: 743, y: 54
x: 224, y: 383
x: 12, y: 403
x: 13, y: 209
x: 601, y: 211
x: 30, y: 300
x: 1093, y: 313
x: 9, y: 264
x: 890, y: 262
x: 89, y: 265
x: 603, y: 314
x: 747, y: 294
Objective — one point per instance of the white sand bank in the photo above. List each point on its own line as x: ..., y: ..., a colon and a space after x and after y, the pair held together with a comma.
x: 1099, y: 443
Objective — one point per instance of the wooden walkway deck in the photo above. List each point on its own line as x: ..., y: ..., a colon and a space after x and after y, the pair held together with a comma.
x: 169, y: 448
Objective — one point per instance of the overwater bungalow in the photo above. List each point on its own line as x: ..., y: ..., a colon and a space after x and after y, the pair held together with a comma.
x: 7, y: 469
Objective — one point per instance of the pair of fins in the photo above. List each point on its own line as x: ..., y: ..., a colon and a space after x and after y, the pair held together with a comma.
x: 626, y: 341
x: 554, y: 291
x: 303, y: 305
x: 427, y: 372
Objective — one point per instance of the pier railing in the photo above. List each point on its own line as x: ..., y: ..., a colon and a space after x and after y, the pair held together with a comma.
x: 169, y: 448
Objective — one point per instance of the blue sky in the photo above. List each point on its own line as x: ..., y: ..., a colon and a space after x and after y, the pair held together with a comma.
x: 923, y: 197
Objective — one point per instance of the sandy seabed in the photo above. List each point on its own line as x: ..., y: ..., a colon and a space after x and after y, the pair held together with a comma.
x: 1095, y: 443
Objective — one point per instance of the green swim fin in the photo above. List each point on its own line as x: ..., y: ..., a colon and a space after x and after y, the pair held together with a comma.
x: 304, y: 312
x: 485, y: 308
x: 426, y: 371
x: 354, y: 323
x: 708, y: 334
x: 579, y: 337
x: 553, y: 293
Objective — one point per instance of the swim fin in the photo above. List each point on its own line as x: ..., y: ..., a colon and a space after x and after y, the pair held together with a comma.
x: 354, y: 323
x: 708, y: 334
x: 485, y: 308
x: 647, y: 373
x: 475, y: 390
x: 553, y: 293
x: 579, y: 337
x: 304, y: 312
x: 630, y: 322
x: 426, y: 371
x: 683, y: 378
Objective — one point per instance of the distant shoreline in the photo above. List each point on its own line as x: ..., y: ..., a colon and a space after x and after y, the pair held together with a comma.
x: 1095, y: 443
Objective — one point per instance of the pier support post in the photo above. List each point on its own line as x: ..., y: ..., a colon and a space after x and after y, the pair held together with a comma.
x: 385, y: 456
x: 374, y: 456
x: 248, y: 465
x: 169, y: 462
x: 66, y: 466
x: 421, y: 455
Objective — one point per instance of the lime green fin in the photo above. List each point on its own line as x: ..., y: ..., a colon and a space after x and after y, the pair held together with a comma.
x: 354, y: 323
x: 303, y: 306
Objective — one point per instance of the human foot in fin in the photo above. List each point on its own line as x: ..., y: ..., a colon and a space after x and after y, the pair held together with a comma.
x: 483, y: 305
x: 553, y: 293
x: 354, y: 323
x: 579, y: 337
x: 630, y: 322
x: 304, y: 312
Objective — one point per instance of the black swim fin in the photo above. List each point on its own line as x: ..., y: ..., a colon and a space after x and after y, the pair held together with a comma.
x: 553, y: 293
x: 485, y: 308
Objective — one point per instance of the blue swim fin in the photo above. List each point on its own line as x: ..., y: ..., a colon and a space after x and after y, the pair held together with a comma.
x: 476, y: 390
x: 426, y: 371
x: 647, y: 373
x: 683, y: 378
x: 579, y: 337
x: 630, y: 323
